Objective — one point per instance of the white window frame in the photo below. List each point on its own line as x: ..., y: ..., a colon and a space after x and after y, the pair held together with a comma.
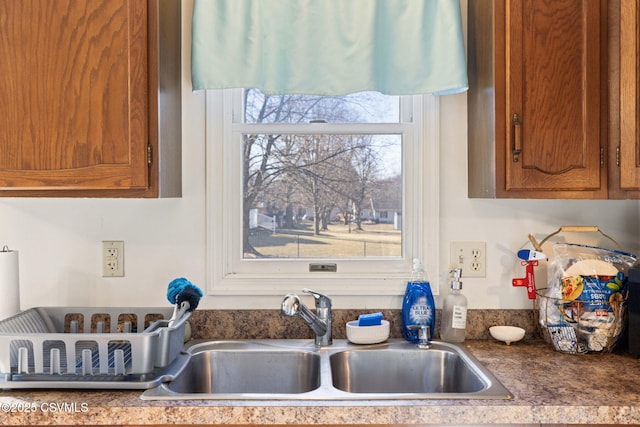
x: 224, y: 226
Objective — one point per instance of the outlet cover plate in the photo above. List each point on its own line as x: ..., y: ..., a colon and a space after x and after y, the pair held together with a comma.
x: 113, y: 258
x: 470, y: 257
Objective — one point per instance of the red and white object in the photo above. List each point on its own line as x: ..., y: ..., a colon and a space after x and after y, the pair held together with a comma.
x: 529, y: 280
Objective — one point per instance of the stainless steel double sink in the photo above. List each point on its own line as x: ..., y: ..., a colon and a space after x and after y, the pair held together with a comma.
x: 298, y: 370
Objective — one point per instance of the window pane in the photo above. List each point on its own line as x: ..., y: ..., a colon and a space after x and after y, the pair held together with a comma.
x: 322, y: 196
x: 363, y: 107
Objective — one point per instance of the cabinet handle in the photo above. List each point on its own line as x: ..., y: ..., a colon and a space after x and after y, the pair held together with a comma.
x: 517, y: 138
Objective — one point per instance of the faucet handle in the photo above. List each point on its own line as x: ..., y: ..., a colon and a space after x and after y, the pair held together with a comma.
x: 322, y: 301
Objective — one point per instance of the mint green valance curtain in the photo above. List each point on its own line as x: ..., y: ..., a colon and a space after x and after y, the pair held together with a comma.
x: 329, y: 47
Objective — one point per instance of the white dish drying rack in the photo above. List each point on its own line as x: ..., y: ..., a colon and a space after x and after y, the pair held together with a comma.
x: 90, y: 347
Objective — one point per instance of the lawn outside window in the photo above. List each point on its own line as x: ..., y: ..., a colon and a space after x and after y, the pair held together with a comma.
x: 299, y: 180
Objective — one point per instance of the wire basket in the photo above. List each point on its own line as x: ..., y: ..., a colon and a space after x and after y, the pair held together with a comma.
x: 581, y: 326
x: 576, y: 321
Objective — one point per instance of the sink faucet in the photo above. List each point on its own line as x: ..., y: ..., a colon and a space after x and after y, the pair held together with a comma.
x: 319, y: 322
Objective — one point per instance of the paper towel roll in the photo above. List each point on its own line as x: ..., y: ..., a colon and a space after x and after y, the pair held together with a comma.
x: 9, y: 283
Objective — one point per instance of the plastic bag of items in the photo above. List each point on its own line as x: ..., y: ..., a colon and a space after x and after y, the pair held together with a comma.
x: 583, y: 308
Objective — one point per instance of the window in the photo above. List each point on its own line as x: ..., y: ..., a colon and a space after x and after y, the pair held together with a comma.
x: 299, y: 185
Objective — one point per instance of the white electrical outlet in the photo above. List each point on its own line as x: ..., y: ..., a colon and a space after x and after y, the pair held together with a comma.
x: 113, y: 258
x: 470, y: 257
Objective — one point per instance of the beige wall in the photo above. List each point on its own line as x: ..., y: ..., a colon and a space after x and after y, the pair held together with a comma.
x: 60, y: 239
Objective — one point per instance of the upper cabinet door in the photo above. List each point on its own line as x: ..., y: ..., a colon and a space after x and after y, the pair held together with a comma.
x: 74, y: 113
x: 538, y: 99
x: 629, y: 150
x: 552, y: 115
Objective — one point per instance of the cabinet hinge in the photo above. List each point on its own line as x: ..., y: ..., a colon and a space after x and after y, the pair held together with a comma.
x: 601, y: 156
x: 149, y: 154
x: 618, y: 156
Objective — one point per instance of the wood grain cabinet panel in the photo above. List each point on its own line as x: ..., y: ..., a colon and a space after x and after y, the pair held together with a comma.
x: 552, y: 112
x: 628, y: 153
x: 79, y: 110
x: 537, y: 98
x: 554, y: 99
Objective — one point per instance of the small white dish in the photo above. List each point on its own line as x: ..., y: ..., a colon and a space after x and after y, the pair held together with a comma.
x: 367, y: 334
x: 508, y: 334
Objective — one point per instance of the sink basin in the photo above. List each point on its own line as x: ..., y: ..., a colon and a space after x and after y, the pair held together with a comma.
x: 273, y: 372
x: 225, y: 369
x: 432, y: 371
x: 284, y: 370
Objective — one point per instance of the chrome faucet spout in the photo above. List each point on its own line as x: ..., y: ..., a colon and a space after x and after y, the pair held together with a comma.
x: 320, y: 321
x: 318, y: 325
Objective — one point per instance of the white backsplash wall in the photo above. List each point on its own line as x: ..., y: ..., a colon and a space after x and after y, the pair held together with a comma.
x: 60, y: 239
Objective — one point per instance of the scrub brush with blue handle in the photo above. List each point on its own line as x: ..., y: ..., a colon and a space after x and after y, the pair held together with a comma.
x: 185, y: 295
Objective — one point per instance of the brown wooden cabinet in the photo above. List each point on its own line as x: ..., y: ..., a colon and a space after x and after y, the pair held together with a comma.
x: 628, y: 151
x: 80, y: 108
x: 542, y: 101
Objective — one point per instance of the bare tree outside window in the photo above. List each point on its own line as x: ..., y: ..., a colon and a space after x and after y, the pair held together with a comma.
x: 335, y: 193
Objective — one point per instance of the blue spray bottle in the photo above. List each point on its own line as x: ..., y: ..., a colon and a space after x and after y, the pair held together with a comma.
x: 418, y: 306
